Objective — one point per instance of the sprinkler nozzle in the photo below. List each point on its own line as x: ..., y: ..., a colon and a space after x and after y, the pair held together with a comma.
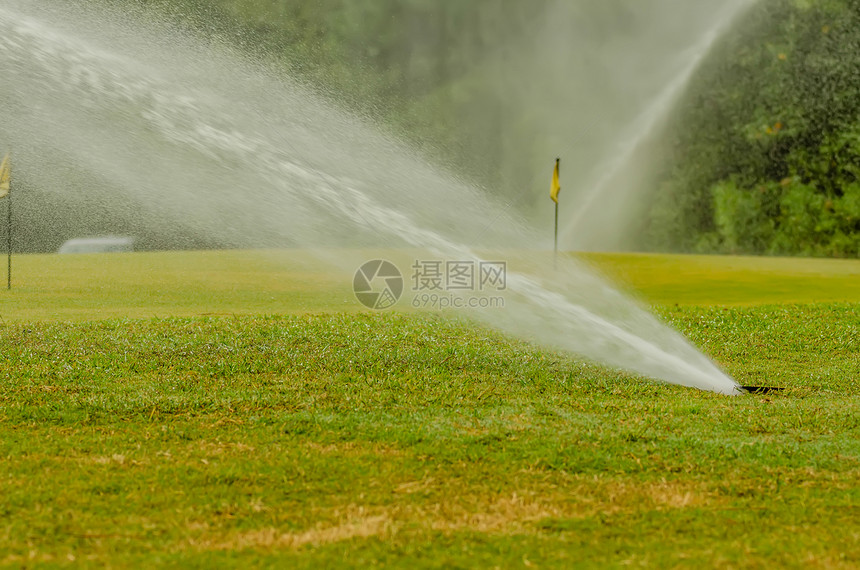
x: 760, y: 389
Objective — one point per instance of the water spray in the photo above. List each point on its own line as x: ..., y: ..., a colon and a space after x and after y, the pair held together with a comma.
x: 183, y: 132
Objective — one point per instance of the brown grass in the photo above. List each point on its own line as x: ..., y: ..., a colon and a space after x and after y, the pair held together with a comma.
x: 512, y: 514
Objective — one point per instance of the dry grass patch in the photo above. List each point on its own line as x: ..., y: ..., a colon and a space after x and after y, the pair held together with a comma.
x: 519, y: 513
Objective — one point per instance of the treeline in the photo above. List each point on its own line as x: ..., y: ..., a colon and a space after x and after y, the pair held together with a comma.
x: 761, y: 157
x: 492, y: 89
x: 765, y: 150
x: 418, y: 66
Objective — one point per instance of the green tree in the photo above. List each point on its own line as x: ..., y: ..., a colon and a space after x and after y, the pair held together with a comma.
x: 764, y: 151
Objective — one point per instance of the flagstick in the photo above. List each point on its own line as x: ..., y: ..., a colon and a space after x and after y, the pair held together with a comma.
x: 9, y: 236
x: 556, y: 188
x: 555, y: 247
x: 6, y: 183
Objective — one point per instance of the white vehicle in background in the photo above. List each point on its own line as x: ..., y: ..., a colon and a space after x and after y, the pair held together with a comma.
x: 103, y: 244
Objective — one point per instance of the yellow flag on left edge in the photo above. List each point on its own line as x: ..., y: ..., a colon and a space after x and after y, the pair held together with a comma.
x: 5, y: 176
x: 556, y: 186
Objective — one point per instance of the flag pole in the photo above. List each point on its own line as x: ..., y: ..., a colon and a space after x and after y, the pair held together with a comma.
x: 555, y: 247
x: 6, y: 192
x: 554, y: 191
x: 9, y: 237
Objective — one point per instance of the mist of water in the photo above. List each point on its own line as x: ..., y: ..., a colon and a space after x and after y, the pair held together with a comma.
x: 593, y: 82
x: 153, y: 123
x: 607, y: 182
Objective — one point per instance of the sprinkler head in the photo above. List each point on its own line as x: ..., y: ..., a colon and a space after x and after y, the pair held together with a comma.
x: 760, y: 389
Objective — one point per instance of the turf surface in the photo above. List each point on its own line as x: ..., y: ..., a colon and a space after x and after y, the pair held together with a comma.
x: 168, y: 284
x: 361, y: 439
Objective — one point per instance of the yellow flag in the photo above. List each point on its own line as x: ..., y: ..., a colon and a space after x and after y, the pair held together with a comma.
x: 556, y: 187
x: 5, y: 175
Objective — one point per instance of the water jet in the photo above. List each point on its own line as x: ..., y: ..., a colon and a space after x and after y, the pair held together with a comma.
x: 176, y: 132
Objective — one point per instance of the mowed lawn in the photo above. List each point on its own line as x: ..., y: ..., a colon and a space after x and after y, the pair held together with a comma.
x: 238, y: 409
x: 211, y: 283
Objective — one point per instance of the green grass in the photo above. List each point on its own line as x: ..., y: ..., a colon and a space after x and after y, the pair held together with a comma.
x: 163, y: 284
x: 732, y: 280
x: 169, y: 284
x: 350, y: 439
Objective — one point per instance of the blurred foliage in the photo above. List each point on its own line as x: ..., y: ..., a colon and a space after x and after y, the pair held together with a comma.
x: 415, y: 65
x: 761, y: 157
x: 493, y: 90
x: 765, y: 150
